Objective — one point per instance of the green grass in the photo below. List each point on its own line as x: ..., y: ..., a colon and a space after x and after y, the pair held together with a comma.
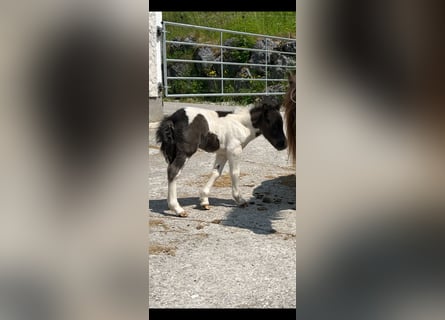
x: 273, y: 23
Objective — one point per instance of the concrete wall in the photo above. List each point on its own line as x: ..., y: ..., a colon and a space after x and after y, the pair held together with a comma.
x: 155, y: 103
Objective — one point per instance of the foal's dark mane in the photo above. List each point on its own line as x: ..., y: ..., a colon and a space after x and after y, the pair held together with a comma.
x: 289, y: 104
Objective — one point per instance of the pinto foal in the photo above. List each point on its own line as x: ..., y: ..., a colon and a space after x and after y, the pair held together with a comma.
x: 223, y: 133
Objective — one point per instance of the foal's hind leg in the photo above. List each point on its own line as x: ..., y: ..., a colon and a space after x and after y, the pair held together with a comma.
x: 173, y: 171
x: 218, y: 167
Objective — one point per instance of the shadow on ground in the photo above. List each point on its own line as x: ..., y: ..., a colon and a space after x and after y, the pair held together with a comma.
x: 160, y: 206
x: 265, y: 204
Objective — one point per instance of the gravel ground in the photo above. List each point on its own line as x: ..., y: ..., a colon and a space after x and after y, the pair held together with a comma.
x: 225, y: 257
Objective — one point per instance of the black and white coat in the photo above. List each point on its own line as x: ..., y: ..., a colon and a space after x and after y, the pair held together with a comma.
x: 223, y: 133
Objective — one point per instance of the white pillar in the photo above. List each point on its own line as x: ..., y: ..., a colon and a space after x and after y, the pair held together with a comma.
x: 155, y: 70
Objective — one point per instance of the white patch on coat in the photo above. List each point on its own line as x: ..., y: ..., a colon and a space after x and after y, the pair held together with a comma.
x: 233, y: 128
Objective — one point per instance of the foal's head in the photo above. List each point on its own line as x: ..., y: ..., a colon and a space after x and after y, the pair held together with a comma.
x: 268, y: 120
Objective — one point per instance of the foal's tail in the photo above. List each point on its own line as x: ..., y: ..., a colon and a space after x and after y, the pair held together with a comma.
x: 165, y: 135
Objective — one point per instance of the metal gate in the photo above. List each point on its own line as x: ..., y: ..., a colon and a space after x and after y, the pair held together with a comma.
x: 217, y: 74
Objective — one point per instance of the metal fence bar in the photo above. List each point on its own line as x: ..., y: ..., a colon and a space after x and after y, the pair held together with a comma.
x: 225, y: 94
x: 222, y: 78
x: 222, y: 58
x: 224, y: 30
x: 266, y: 65
x: 164, y: 60
x: 229, y: 63
x: 226, y: 47
x: 222, y: 49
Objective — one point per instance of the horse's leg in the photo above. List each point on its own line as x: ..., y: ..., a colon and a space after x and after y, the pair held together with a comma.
x: 173, y: 171
x: 234, y: 163
x: 218, y: 167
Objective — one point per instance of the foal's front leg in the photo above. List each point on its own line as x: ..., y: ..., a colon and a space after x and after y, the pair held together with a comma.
x: 218, y: 167
x: 233, y: 155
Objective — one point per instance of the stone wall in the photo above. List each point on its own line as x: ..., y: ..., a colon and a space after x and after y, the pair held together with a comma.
x: 211, y: 68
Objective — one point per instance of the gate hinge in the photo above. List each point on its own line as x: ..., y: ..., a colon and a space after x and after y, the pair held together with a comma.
x: 159, y: 32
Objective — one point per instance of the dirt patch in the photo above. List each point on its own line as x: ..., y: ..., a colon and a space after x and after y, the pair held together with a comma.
x: 224, y: 181
x: 201, y: 225
x: 157, y: 223
x: 201, y: 235
x: 161, y: 249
